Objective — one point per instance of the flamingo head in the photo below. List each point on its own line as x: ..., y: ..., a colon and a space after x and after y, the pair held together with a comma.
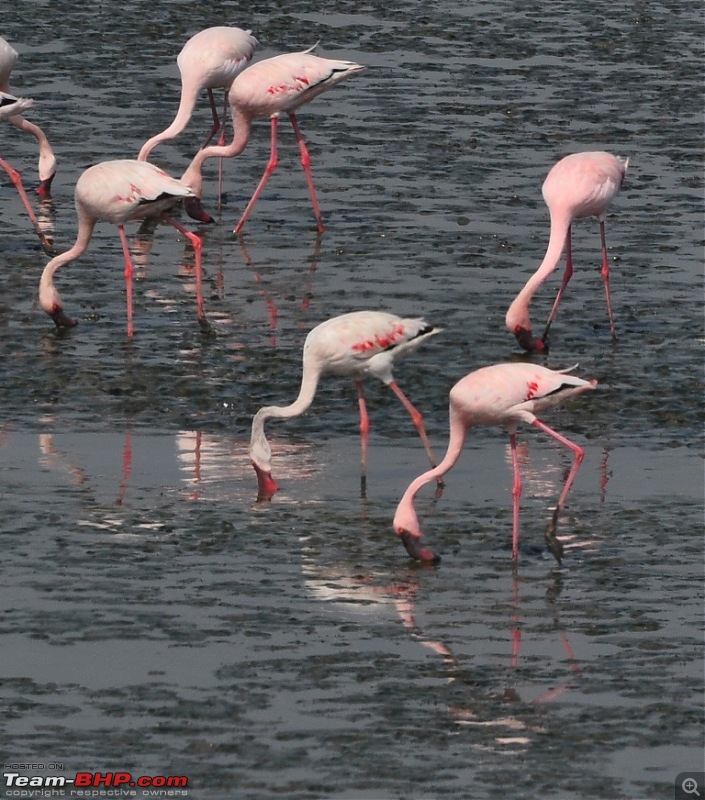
x: 406, y: 526
x: 196, y: 211
x: 266, y: 485
x: 528, y: 342
x: 50, y: 301
x: 47, y: 170
x: 61, y: 320
x: 518, y: 322
x: 193, y: 178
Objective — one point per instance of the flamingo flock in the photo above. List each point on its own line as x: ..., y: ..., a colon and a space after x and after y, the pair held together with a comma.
x: 358, y: 344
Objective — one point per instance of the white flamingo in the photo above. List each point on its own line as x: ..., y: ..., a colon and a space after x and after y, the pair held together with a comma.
x: 501, y: 394
x: 357, y: 344
x: 267, y: 89
x: 579, y: 185
x: 118, y: 192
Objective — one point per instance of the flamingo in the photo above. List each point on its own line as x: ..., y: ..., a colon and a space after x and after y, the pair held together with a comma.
x: 47, y: 159
x: 118, y: 192
x: 266, y: 89
x: 501, y: 394
x: 579, y: 185
x: 9, y: 106
x: 357, y: 344
x: 209, y: 60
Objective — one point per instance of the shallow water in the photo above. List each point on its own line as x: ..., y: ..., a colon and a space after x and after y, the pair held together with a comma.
x: 157, y: 620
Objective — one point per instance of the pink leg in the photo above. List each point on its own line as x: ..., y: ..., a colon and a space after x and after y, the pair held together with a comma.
x: 221, y: 142
x: 268, y: 170
x: 567, y: 275
x: 605, y: 272
x: 516, y: 619
x: 417, y: 419
x: 196, y: 243
x: 17, y: 181
x: 129, y: 272
x: 578, y: 452
x: 516, y: 496
x: 306, y: 164
x: 364, y: 434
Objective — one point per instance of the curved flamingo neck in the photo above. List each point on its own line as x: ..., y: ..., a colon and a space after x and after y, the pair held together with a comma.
x: 29, y: 127
x: 193, y: 176
x: 187, y: 102
x: 47, y: 159
x: 518, y: 312
x: 405, y: 517
x: 48, y: 296
x: 259, y: 447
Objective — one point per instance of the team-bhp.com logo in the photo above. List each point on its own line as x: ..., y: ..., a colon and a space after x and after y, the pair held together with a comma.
x: 85, y: 784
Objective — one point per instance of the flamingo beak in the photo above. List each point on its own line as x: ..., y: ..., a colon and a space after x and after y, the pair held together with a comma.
x: 266, y: 485
x: 195, y: 210
x: 60, y: 319
x: 44, y: 188
x: 413, y: 548
x: 527, y: 341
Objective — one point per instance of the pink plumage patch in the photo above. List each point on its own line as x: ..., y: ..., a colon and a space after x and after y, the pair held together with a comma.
x: 134, y: 195
x: 532, y: 388
x: 380, y: 340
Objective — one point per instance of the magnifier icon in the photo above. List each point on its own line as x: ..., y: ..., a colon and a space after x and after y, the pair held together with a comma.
x: 690, y: 786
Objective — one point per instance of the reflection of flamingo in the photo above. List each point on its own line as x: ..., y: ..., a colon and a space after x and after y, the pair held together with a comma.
x: 502, y: 394
x: 118, y: 192
x: 47, y: 160
x: 579, y: 185
x: 269, y: 302
x: 209, y: 60
x: 126, y: 468
x: 56, y: 459
x: 9, y: 107
x: 266, y: 89
x: 357, y: 344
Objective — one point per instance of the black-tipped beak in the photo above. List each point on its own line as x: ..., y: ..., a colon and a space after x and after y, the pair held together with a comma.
x: 266, y: 485
x: 195, y: 210
x: 527, y: 341
x: 44, y: 188
x: 414, y: 549
x: 61, y: 320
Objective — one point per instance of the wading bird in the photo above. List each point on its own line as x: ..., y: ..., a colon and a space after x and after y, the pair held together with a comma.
x: 357, y: 344
x: 209, y: 60
x: 501, y: 394
x: 267, y: 89
x: 118, y: 192
x: 579, y: 185
x: 10, y: 105
x: 47, y: 159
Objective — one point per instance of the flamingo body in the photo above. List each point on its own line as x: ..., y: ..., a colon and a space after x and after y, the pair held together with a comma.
x: 209, y: 60
x: 505, y: 395
x: 358, y: 344
x: 269, y: 88
x: 579, y: 185
x: 47, y: 160
x: 117, y: 192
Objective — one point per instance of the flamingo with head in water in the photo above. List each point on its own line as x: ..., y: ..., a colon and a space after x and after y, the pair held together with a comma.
x: 357, y: 344
x: 209, y: 60
x: 267, y: 89
x: 579, y: 185
x: 9, y: 106
x: 118, y: 192
x: 501, y: 394
x: 47, y: 159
